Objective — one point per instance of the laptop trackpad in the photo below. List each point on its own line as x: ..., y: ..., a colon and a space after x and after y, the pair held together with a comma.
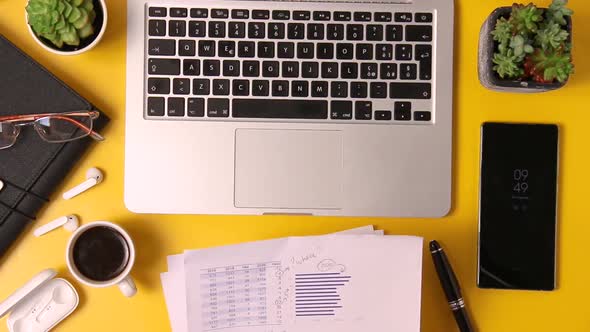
x: 290, y: 169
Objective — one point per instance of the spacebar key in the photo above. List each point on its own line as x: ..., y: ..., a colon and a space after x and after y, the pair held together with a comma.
x: 280, y: 109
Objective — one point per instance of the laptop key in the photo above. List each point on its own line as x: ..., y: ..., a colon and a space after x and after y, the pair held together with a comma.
x: 383, y: 115
x: 363, y: 110
x: 325, y: 51
x: 241, y: 87
x: 419, y: 33
x: 178, y: 12
x: 374, y: 32
x: 216, y: 29
x: 341, y: 110
x: 403, y: 17
x: 280, y: 88
x: 199, y: 12
x: 384, y: 52
x: 344, y: 51
x: 251, y: 69
x: 339, y: 89
x: 280, y: 108
x: 402, y: 106
x: 260, y: 14
x: 286, y: 50
x: 364, y: 51
x: 231, y: 68
x: 394, y: 33
x: 281, y: 14
x: 388, y: 71
x: 423, y: 55
x: 408, y: 71
x: 362, y: 16
x: 175, y: 106
x: 260, y: 89
x: 157, y: 28
x: 319, y: 89
x: 378, y: 90
x: 196, y: 29
x: 181, y: 86
x: 195, y: 107
x: 211, y: 68
x: 295, y: 31
x: 342, y: 16
x: 240, y: 14
x: 266, y: 50
x: 305, y: 50
x: 290, y: 69
x: 164, y: 66
x: 354, y: 32
x: 335, y: 32
x: 206, y: 48
x: 329, y: 70
x: 155, y: 106
x: 403, y: 52
x: 246, y: 49
x: 162, y: 47
x: 423, y: 17
x: 218, y: 108
x: 315, y: 31
x: 409, y: 90
x: 236, y: 29
x: 300, y: 15
x: 300, y: 88
x: 369, y: 71
x: 158, y: 86
x: 177, y: 28
x: 382, y: 17
x: 358, y: 89
x: 321, y: 16
x: 256, y: 30
x: 276, y: 30
x: 309, y: 70
x: 349, y: 70
x: 219, y: 13
x: 422, y: 116
x: 227, y: 49
x: 157, y: 12
x: 402, y: 115
x: 186, y: 47
x: 201, y: 87
x: 221, y: 87
x: 191, y: 67
x: 270, y: 69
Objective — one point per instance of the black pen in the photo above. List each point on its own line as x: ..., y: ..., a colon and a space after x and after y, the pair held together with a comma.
x: 450, y: 285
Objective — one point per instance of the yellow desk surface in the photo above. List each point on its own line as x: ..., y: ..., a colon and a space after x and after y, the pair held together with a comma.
x: 99, y: 75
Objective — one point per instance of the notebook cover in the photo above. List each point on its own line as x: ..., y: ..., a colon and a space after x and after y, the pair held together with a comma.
x: 33, y: 164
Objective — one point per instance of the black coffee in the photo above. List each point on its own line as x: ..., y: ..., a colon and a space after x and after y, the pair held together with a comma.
x: 101, y: 253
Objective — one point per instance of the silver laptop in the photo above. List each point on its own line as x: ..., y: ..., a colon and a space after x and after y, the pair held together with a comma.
x: 337, y: 108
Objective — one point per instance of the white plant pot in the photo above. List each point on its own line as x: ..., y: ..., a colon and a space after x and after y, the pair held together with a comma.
x: 96, y: 38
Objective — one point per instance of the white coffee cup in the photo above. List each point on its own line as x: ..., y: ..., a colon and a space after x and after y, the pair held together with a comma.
x: 123, y: 279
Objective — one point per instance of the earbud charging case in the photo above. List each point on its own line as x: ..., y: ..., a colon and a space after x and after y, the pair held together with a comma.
x: 40, y: 304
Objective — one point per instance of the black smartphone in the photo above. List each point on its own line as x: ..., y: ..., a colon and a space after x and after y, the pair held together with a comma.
x: 518, y: 206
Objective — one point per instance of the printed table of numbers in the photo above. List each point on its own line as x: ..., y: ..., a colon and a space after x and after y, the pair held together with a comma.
x: 241, y: 295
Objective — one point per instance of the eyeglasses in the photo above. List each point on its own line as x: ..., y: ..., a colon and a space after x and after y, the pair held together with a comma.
x: 52, y: 127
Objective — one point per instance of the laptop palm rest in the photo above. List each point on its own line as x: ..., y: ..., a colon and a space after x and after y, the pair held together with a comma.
x: 288, y: 169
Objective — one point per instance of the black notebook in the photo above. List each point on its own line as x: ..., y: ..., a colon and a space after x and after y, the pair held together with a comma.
x: 32, y: 168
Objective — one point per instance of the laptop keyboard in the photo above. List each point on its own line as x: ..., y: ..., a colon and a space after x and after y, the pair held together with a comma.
x: 214, y: 64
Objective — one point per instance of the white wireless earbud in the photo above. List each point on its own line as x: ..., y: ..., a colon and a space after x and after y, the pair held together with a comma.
x: 93, y: 177
x: 70, y: 223
x: 1, y: 185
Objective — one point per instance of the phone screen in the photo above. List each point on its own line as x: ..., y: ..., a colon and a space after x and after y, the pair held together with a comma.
x: 517, y: 220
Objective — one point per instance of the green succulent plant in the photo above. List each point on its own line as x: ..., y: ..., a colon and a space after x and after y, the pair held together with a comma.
x: 552, y: 36
x: 557, y: 12
x: 533, y: 43
x: 62, y: 21
x: 525, y: 19
x: 508, y: 65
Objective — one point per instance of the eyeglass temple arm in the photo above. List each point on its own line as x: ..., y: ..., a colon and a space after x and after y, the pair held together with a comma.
x: 91, y: 132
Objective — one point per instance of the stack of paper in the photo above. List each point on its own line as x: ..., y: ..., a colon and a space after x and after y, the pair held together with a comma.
x: 354, y: 281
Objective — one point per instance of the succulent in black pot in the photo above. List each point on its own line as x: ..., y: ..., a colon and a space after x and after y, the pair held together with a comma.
x: 524, y: 48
